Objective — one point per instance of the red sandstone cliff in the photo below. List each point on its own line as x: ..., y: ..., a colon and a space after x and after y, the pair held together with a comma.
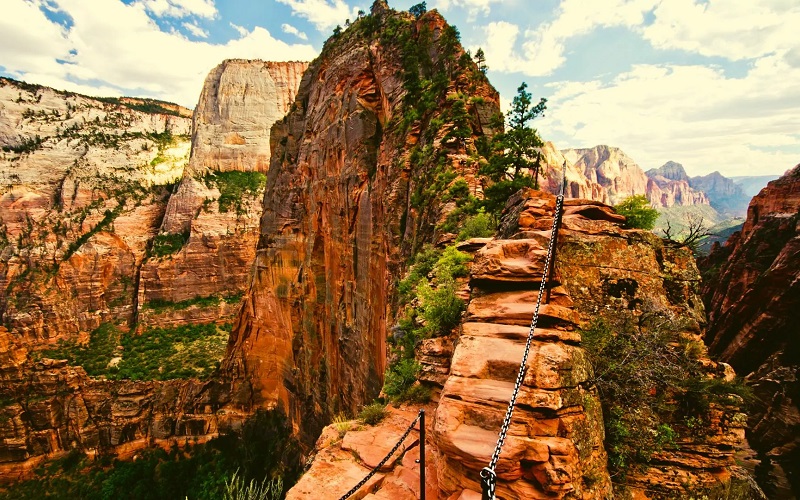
x: 752, y: 290
x: 348, y: 195
x: 80, y: 248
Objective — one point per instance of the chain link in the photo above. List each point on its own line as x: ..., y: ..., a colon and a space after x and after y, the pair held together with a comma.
x: 382, y: 462
x: 488, y: 474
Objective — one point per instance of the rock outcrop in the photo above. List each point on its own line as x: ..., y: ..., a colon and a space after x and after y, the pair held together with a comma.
x: 724, y: 194
x: 671, y: 186
x: 349, y: 192
x: 610, y: 168
x: 49, y: 408
x: 752, y: 290
x: 554, y: 448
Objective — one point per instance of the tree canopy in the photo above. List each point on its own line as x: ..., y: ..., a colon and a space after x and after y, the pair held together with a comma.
x: 514, y: 161
x: 639, y: 213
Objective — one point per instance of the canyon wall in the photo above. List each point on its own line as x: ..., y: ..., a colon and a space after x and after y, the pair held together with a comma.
x: 96, y: 232
x: 85, y: 183
x: 349, y: 194
x: 217, y: 206
x: 752, y: 291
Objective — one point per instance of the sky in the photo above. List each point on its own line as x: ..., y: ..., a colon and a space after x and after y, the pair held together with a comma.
x: 711, y: 84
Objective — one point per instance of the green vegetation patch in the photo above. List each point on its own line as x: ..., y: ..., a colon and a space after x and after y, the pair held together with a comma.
x: 168, y: 243
x: 638, y: 212
x: 654, y: 389
x: 430, y: 308
x: 233, y: 186
x: 263, y: 451
x: 155, y: 354
x: 208, y: 301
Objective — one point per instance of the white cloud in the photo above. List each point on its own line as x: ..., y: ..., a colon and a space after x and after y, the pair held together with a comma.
x: 691, y: 114
x: 733, y: 29
x: 119, y: 49
x: 195, y: 30
x: 181, y: 8
x: 324, y: 14
x: 288, y: 28
x: 542, y: 49
x: 473, y: 7
x: 240, y: 29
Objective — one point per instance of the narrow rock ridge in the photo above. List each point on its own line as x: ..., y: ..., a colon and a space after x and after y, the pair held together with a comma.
x: 341, y: 210
x: 554, y: 448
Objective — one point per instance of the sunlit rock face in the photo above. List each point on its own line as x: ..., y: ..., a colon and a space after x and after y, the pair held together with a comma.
x: 341, y: 212
x: 218, y: 220
x: 83, y: 188
x: 86, y: 210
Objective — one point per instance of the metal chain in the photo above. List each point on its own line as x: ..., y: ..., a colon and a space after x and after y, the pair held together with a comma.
x: 382, y: 462
x: 488, y: 474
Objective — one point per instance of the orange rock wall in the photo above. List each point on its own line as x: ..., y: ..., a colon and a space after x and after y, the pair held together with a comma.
x: 337, y: 221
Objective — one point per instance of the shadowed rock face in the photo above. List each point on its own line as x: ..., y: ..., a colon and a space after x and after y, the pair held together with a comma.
x: 339, y: 215
x: 752, y: 291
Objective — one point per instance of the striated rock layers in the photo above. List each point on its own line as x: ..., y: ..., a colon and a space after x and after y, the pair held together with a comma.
x: 671, y: 186
x: 217, y: 206
x: 87, y: 241
x: 349, y: 191
x: 50, y: 407
x: 83, y: 188
x: 555, y: 443
x: 752, y: 290
x: 554, y: 448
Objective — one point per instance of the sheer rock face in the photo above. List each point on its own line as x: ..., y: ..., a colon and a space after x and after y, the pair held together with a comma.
x: 81, y: 195
x: 240, y: 102
x: 752, y: 293
x: 338, y: 212
x: 612, y: 169
x: 70, y: 185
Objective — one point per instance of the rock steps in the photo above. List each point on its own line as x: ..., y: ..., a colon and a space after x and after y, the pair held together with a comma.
x: 541, y: 456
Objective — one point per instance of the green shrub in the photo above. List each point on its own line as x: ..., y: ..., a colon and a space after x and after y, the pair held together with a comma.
x: 233, y: 186
x: 638, y: 212
x: 237, y: 489
x: 651, y: 386
x: 440, y: 308
x: 417, y: 393
x: 373, y: 414
x: 479, y: 225
x: 168, y: 243
x: 400, y: 376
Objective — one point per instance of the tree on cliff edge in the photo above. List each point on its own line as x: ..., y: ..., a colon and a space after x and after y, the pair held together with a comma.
x: 514, y: 161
